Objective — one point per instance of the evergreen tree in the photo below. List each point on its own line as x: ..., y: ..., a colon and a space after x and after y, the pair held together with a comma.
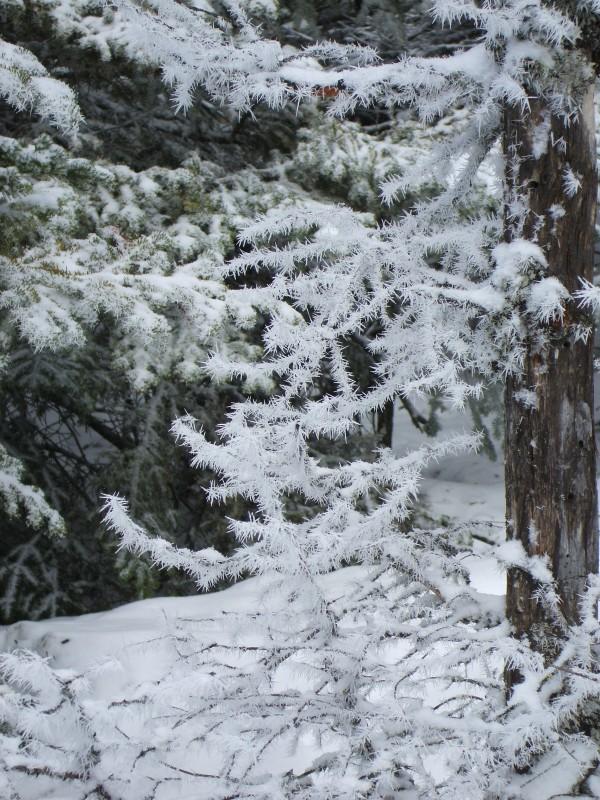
x: 86, y: 402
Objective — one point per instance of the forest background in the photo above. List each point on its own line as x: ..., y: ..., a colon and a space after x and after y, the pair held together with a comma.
x: 93, y: 375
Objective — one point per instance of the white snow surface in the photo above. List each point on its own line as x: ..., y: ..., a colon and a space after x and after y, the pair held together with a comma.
x: 124, y: 652
x: 87, y: 641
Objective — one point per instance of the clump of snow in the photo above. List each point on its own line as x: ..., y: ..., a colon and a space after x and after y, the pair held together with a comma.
x: 571, y: 182
x: 512, y: 261
x: 546, y: 298
x: 527, y: 398
x: 26, y: 85
x: 541, y: 137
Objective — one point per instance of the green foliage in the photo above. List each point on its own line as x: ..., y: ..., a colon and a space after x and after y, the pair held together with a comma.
x: 88, y: 406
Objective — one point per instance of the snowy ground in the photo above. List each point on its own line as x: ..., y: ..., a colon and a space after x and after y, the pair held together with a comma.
x: 131, y: 646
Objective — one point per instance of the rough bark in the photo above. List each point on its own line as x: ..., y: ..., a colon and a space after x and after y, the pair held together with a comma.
x: 550, y: 459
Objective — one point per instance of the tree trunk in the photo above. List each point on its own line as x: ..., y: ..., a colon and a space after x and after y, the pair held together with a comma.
x: 550, y: 456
